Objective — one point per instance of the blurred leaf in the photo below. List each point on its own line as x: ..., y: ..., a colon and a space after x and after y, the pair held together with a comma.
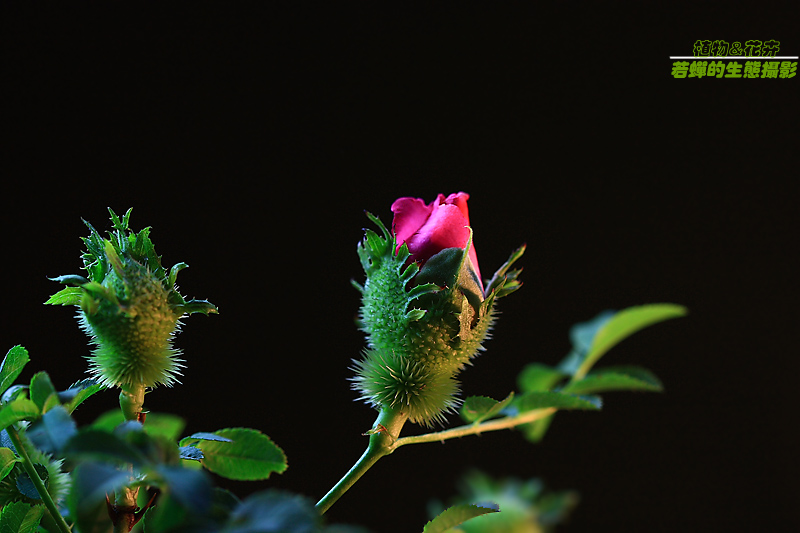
x: 52, y: 431
x: 190, y: 487
x: 250, y: 455
x: 7, y: 461
x: 273, y: 512
x: 620, y: 326
x: 539, y: 377
x: 20, y: 517
x: 475, y: 409
x: 19, y: 409
x: 535, y: 431
x: 190, y: 453
x: 156, y: 424
x: 91, y: 482
x: 10, y: 368
x: 455, y: 516
x: 608, y: 380
x: 530, y: 401
x: 99, y: 445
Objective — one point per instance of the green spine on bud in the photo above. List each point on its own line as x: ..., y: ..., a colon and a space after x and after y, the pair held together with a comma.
x: 421, y: 333
x: 130, y: 308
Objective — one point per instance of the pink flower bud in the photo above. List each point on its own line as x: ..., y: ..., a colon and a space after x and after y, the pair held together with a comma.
x: 427, y: 229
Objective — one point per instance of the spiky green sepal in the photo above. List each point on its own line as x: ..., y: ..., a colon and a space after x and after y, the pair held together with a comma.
x: 129, y: 306
x: 422, y: 325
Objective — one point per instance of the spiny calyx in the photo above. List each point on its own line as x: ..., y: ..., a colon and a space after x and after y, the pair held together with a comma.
x: 422, y: 325
x: 129, y: 306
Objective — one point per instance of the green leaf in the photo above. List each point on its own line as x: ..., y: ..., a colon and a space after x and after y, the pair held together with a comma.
x: 7, y: 461
x: 66, y: 296
x: 455, y: 516
x: 548, y: 399
x: 250, y: 455
x: 539, y: 377
x: 78, y: 393
x: 202, y: 435
x: 25, y: 485
x: 20, y: 517
x: 11, y: 367
x: 609, y: 380
x: 197, y: 306
x: 52, y: 431
x: 476, y: 409
x: 41, y: 390
x: 19, y: 409
x: 622, y: 325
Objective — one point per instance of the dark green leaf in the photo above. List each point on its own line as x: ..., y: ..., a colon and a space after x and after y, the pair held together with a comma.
x: 52, y: 431
x: 20, y: 517
x: 478, y: 408
x: 539, y: 377
x: 19, y: 409
x: 191, y: 488
x: 10, y: 368
x: 98, y: 445
x: 91, y: 482
x: 455, y: 516
x: 250, y: 455
x: 7, y: 461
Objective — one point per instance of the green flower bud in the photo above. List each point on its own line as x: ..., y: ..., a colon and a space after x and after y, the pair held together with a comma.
x: 423, y: 325
x: 130, y: 307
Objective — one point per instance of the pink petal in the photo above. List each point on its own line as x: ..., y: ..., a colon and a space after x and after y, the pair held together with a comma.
x: 410, y: 214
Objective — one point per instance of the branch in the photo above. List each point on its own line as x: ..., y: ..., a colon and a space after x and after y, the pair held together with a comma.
x: 476, y: 429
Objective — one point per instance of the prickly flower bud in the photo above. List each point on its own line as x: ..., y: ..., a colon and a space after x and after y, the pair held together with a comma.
x: 129, y: 306
x: 425, y: 309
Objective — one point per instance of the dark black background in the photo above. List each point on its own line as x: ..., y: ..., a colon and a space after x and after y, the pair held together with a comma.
x: 252, y: 141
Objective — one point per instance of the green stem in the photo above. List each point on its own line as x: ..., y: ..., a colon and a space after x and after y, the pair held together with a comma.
x: 383, y: 435
x: 131, y: 401
x: 476, y: 429
x: 16, y: 440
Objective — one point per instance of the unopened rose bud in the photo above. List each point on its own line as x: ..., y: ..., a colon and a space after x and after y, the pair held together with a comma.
x: 130, y: 308
x: 425, y: 308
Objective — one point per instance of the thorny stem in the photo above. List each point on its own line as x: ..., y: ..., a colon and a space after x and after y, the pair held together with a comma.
x: 384, y: 440
x: 37, y: 481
